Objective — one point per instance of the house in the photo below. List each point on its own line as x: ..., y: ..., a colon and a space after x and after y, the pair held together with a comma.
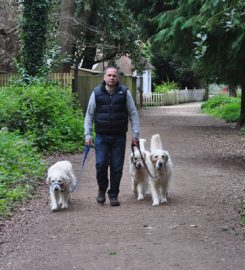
x: 125, y: 66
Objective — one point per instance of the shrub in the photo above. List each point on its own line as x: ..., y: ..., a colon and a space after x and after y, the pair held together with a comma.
x: 229, y: 112
x: 165, y: 87
x: 21, y: 169
x: 215, y: 102
x: 224, y: 107
x: 46, y: 114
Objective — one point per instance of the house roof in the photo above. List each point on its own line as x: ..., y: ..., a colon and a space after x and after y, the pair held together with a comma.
x: 124, y: 63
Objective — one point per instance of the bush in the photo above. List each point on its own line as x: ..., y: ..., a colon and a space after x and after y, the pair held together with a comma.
x: 224, y: 107
x: 46, y: 114
x: 215, y: 102
x: 229, y: 112
x: 21, y: 169
x: 165, y: 87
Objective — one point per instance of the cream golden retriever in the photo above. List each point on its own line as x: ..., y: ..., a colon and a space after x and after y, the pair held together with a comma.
x: 137, y: 170
x: 162, y: 169
x: 61, y: 180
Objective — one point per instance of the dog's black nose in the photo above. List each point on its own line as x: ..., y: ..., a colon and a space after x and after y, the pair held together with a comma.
x: 56, y: 189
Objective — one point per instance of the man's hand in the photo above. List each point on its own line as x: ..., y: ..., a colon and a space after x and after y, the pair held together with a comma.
x: 135, y: 141
x: 88, y: 142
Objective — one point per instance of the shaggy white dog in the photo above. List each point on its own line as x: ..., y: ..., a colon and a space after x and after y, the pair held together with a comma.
x: 61, y: 180
x: 137, y: 170
x: 162, y: 171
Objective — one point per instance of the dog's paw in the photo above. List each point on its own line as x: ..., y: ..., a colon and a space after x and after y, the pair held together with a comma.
x: 155, y: 203
x: 140, y: 197
x: 134, y: 191
x: 54, y: 207
x: 64, y: 206
x: 163, y: 200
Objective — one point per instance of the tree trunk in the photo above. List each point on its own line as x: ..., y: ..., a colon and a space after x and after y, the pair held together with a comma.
x: 90, y: 38
x: 89, y: 56
x: 9, y: 38
x: 70, y: 31
x: 241, y: 122
x: 75, y: 82
x: 206, y: 94
x: 66, y: 30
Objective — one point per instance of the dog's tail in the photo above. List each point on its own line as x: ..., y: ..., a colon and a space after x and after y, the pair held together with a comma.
x: 156, y: 142
x: 142, y: 144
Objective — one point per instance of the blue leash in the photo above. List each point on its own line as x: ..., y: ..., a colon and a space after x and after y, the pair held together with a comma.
x: 83, y: 162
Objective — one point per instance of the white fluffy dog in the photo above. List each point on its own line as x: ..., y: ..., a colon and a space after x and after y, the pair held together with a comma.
x: 61, y: 180
x: 162, y: 170
x: 137, y: 171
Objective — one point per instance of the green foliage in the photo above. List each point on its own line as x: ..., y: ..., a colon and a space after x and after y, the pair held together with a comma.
x: 119, y: 37
x: 165, y: 87
x: 34, y: 34
x: 167, y: 65
x: 230, y: 112
x: 207, y: 34
x: 21, y: 170
x: 145, y: 12
x: 120, y: 29
x: 224, y: 107
x: 215, y: 102
x: 46, y: 114
x: 242, y: 220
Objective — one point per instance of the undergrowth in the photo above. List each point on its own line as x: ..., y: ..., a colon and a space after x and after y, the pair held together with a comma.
x: 227, y: 108
x: 36, y: 119
x: 223, y: 107
x: 165, y: 87
x: 46, y: 114
x: 21, y: 169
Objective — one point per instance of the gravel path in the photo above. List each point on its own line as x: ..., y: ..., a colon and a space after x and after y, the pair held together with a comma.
x: 197, y: 230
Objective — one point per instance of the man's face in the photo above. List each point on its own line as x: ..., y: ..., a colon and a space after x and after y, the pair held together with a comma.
x: 111, y: 77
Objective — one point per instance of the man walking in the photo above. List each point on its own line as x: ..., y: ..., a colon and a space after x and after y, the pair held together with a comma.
x: 110, y: 106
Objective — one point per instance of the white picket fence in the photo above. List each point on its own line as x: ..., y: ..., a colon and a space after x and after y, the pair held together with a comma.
x: 172, y: 97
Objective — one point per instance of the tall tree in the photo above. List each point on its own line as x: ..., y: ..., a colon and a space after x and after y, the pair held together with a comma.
x: 209, y: 34
x: 9, y: 40
x: 98, y: 31
x: 167, y: 66
x: 66, y: 32
x: 34, y: 34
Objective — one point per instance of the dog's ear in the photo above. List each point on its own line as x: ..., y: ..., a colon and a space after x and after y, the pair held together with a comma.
x: 166, y: 158
x: 131, y: 158
x: 67, y: 181
x: 48, y: 180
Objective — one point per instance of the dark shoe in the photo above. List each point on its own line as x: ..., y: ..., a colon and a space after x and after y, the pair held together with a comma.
x: 101, y: 197
x: 114, y: 201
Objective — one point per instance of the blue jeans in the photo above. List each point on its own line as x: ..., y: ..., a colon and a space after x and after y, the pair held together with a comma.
x: 110, y: 152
